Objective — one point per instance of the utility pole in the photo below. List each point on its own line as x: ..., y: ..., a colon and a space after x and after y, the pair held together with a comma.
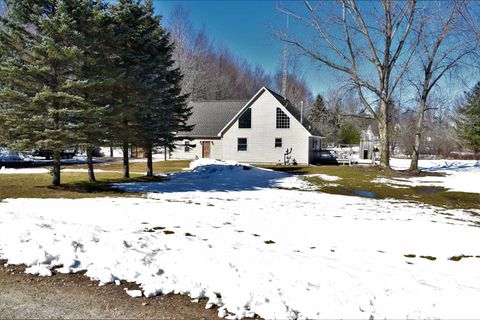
x: 301, y: 112
x: 285, y: 67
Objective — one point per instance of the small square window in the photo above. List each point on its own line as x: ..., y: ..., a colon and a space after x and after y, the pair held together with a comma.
x: 187, y: 146
x: 278, y: 142
x: 242, y: 144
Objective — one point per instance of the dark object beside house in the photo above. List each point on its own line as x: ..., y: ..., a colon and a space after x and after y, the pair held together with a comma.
x: 48, y: 154
x: 326, y: 157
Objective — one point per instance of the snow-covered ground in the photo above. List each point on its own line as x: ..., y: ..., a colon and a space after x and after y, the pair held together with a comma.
x: 228, y: 233
x: 458, y: 175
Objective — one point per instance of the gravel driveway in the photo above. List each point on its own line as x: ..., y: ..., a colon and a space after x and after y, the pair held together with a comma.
x: 74, y: 296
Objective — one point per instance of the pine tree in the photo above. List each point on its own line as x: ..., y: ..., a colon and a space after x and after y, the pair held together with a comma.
x: 325, y: 120
x: 349, y: 133
x: 41, y: 106
x: 145, y: 88
x: 129, y: 29
x: 93, y: 22
x: 318, y: 112
x: 468, y: 121
x: 164, y: 110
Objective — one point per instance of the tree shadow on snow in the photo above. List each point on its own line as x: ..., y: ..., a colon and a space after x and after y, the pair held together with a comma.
x: 453, y: 166
x: 213, y: 177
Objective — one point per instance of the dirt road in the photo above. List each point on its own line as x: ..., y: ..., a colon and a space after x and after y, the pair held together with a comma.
x: 74, y: 296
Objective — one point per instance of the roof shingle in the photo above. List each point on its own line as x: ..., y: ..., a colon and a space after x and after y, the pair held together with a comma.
x: 209, y: 117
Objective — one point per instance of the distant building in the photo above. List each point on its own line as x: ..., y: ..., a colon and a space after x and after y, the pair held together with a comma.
x: 369, y: 144
x: 259, y: 130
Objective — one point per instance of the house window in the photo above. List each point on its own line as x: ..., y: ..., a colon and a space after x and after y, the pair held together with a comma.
x: 278, y: 142
x: 245, y: 120
x: 242, y: 144
x: 283, y: 121
x: 187, y: 146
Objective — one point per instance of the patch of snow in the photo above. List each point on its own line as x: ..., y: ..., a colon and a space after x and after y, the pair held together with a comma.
x: 4, y: 170
x: 39, y: 269
x: 134, y: 293
x: 324, y: 177
x: 459, y: 175
x: 395, y: 183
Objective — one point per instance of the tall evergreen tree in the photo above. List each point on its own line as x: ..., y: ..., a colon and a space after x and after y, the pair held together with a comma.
x: 318, y: 111
x: 41, y: 104
x: 93, y: 22
x: 146, y: 88
x: 164, y: 110
x: 130, y: 29
x: 349, y: 133
x: 468, y: 121
x: 325, y: 120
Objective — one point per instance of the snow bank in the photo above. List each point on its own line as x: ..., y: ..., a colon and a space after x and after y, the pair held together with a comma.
x: 4, y: 170
x: 213, y: 175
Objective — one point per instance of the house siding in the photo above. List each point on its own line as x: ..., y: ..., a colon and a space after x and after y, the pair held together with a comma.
x: 261, y: 136
x: 196, y: 153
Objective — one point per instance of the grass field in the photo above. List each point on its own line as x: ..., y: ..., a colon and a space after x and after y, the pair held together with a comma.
x: 355, y: 181
x: 76, y: 185
x: 358, y: 181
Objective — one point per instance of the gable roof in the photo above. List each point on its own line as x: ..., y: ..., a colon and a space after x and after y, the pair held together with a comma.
x: 285, y: 103
x: 209, y: 117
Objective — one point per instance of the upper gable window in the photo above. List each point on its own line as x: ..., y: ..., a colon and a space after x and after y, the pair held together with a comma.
x: 245, y: 120
x: 283, y: 121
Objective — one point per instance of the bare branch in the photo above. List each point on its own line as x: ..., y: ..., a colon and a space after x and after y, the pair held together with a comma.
x: 405, y: 33
x: 316, y: 56
x: 367, y: 35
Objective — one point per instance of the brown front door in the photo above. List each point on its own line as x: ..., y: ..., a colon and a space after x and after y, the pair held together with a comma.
x: 206, y: 149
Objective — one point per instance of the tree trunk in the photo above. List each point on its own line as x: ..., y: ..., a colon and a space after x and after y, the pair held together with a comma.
x: 148, y: 150
x: 418, y: 136
x: 165, y: 152
x: 56, y: 168
x: 384, y: 138
x: 111, y: 152
x: 126, y: 169
x: 91, y: 173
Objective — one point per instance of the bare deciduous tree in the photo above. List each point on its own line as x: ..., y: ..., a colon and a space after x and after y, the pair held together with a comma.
x: 368, y: 50
x: 211, y: 72
x: 444, y: 45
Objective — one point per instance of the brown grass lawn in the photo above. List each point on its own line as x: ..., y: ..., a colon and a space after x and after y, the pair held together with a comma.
x: 76, y: 185
x: 356, y: 180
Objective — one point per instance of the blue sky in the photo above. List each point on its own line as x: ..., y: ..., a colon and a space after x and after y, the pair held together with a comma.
x: 245, y: 27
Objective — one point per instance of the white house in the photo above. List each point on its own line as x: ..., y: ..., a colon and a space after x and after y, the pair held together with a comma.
x: 255, y: 131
